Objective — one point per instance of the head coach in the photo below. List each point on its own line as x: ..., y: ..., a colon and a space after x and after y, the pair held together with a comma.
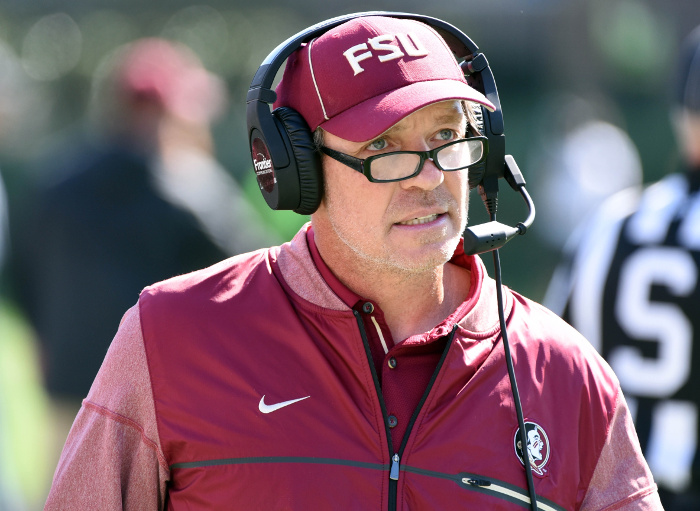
x: 364, y: 364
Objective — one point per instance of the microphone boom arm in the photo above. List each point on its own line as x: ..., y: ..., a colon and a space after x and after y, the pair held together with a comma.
x: 493, y: 235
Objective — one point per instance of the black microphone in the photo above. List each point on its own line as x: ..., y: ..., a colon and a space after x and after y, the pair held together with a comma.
x: 493, y: 235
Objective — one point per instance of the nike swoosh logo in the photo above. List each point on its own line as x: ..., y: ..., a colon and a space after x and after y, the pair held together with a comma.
x: 271, y: 408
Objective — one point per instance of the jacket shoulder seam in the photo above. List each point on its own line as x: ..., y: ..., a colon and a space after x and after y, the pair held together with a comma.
x: 109, y: 414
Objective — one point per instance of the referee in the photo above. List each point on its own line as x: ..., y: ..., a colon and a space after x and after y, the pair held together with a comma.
x: 630, y: 282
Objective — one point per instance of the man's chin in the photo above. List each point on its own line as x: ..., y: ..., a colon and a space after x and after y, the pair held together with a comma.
x: 426, y: 257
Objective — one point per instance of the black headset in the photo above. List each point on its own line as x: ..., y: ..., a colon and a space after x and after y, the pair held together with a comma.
x: 292, y: 179
x: 288, y: 166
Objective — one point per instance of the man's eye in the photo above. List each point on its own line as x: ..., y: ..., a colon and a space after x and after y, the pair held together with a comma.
x: 377, y: 145
x: 446, y: 134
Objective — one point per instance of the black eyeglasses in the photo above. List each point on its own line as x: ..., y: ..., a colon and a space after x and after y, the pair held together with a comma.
x: 399, y: 165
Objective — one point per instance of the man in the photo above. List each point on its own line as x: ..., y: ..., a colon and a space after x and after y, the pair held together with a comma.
x: 630, y: 284
x: 361, y: 365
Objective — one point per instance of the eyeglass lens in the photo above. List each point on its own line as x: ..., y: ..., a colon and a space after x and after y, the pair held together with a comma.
x: 454, y: 156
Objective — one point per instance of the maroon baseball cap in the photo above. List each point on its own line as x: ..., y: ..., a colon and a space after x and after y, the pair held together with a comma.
x: 360, y: 78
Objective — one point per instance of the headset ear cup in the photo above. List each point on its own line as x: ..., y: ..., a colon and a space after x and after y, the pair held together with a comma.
x: 308, y: 161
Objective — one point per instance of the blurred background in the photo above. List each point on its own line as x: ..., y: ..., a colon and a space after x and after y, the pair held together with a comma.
x: 583, y: 85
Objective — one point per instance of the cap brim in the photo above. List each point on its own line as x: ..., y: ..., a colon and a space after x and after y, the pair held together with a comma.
x: 372, y: 117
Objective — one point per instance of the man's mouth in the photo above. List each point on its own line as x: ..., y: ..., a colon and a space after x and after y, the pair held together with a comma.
x: 420, y: 220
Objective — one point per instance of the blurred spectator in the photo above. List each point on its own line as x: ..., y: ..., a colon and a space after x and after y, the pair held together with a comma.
x: 630, y: 284
x: 23, y: 468
x: 141, y: 200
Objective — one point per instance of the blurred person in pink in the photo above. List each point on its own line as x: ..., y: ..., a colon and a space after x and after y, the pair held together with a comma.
x: 142, y: 199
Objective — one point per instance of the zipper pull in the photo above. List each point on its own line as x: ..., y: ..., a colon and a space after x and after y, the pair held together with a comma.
x: 394, y: 473
x: 476, y: 482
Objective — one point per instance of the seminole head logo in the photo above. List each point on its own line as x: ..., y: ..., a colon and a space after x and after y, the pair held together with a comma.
x: 537, y: 447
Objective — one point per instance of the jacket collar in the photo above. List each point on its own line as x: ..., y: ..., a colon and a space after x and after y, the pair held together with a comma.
x: 309, y: 277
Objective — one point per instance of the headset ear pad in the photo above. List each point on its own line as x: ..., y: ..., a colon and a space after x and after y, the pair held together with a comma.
x: 306, y: 158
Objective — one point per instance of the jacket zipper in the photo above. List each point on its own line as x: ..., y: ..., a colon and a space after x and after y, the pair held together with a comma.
x: 419, y: 407
x: 394, y: 456
x: 394, y: 471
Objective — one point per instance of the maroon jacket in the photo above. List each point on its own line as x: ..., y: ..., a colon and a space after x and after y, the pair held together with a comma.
x: 211, y: 353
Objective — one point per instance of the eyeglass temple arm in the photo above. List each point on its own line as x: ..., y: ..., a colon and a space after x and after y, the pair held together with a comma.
x: 345, y: 159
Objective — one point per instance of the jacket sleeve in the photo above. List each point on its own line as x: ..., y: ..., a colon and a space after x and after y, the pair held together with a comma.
x: 112, y: 459
x: 622, y: 480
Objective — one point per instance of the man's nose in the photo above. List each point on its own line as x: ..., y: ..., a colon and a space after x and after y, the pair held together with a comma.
x: 428, y: 177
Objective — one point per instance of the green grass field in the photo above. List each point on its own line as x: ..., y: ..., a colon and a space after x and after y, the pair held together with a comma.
x: 24, y: 423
